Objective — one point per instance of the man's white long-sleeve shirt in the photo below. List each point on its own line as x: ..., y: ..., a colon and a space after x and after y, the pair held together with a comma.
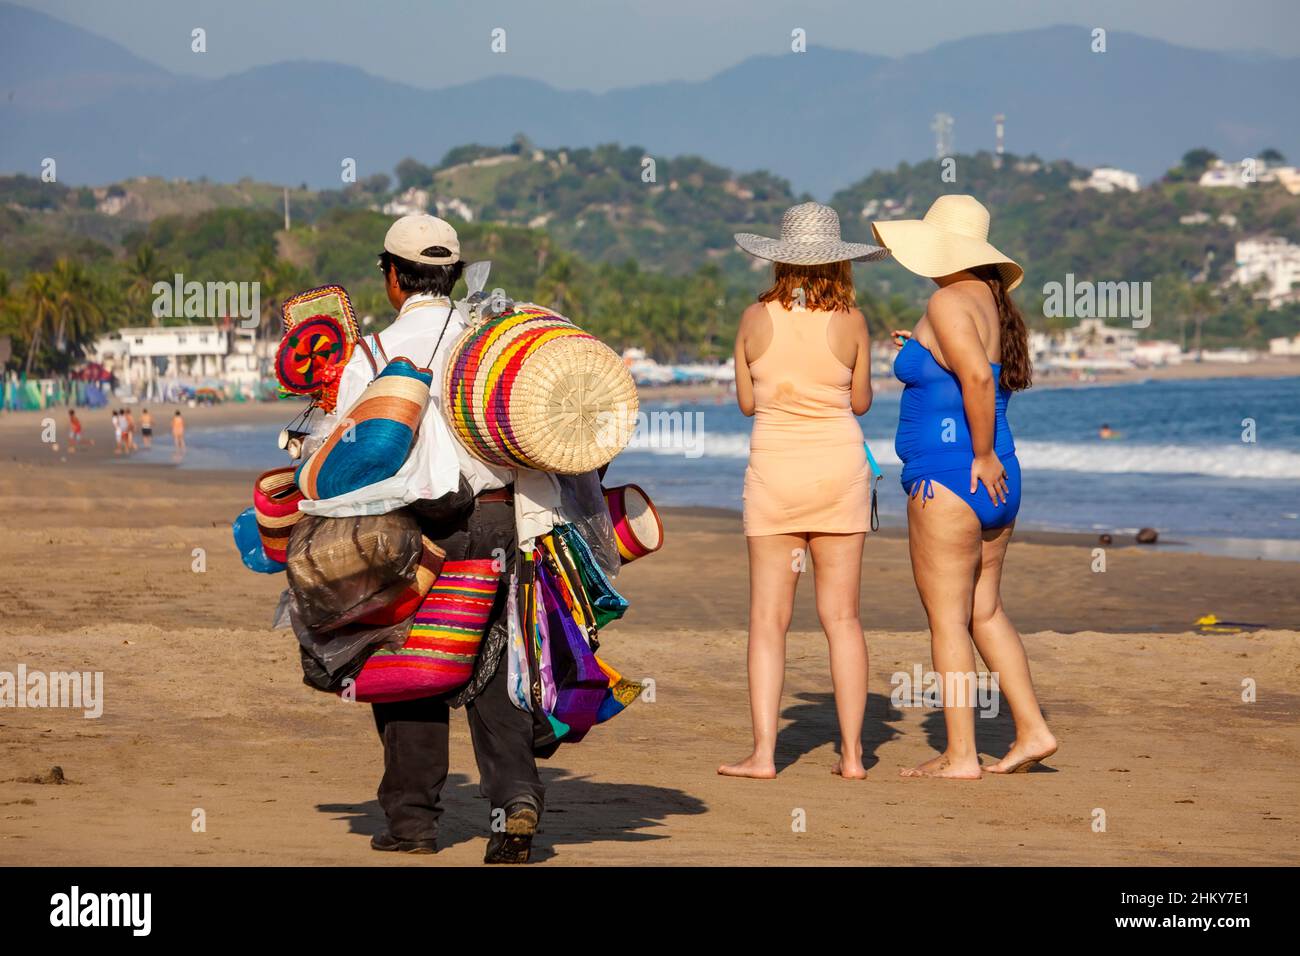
x: 437, y: 459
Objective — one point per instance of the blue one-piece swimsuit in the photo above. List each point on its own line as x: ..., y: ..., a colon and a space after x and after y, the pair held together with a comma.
x: 933, y: 440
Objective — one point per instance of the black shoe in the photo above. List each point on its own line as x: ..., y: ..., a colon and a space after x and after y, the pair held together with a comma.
x: 388, y: 843
x: 514, y: 844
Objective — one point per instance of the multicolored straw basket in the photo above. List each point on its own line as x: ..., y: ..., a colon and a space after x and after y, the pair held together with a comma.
x: 275, y: 501
x: 530, y: 389
x: 638, y: 530
x: 373, y: 437
x: 438, y: 656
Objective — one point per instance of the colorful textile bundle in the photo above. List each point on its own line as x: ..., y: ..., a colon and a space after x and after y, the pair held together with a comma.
x: 552, y: 667
x: 580, y: 684
x: 275, y: 500
x: 605, y: 602
x: 621, y: 692
x: 439, y: 654
x: 372, y: 440
x: 637, y: 527
x: 528, y: 388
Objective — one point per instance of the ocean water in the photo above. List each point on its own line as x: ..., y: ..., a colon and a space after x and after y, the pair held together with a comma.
x: 1179, y: 465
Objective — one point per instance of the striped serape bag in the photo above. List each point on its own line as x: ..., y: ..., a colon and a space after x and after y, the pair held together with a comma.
x: 374, y: 436
x: 438, y: 656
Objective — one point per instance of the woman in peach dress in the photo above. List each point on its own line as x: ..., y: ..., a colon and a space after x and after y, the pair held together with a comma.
x: 803, y: 371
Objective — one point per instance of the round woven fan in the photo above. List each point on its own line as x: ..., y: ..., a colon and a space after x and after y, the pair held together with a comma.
x: 308, y: 351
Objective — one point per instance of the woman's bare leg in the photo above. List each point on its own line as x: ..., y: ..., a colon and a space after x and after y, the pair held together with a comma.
x: 774, y: 563
x: 944, y: 540
x: 837, y: 566
x: 1000, y: 645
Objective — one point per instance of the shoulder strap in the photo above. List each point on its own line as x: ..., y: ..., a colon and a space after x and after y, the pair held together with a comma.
x: 445, y: 322
x: 365, y: 350
x: 379, y: 346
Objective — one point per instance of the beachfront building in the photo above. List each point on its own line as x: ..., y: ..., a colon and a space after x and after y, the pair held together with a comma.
x: 1284, y: 346
x: 148, y: 360
x: 1272, y: 259
x: 1094, y: 346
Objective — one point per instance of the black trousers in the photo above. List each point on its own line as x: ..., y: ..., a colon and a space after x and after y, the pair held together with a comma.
x: 415, y: 732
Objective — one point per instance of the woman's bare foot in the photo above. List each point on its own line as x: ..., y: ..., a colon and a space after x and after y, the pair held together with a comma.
x: 751, y: 766
x: 943, y: 766
x: 849, y: 769
x: 1023, y: 755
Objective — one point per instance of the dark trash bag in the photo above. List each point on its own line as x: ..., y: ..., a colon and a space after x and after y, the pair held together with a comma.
x: 331, y: 658
x: 341, y: 569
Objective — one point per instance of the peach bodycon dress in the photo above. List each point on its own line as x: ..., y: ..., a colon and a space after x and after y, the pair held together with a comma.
x: 807, y: 464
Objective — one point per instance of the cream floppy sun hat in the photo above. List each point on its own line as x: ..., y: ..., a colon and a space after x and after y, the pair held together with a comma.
x: 954, y: 235
x: 810, y: 236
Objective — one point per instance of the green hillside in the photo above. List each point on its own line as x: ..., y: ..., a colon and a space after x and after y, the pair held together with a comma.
x: 639, y: 259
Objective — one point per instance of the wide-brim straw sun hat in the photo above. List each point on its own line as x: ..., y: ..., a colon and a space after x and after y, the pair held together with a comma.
x: 810, y: 236
x: 953, y: 236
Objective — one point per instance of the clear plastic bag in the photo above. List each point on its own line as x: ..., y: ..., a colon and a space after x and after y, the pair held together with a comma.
x: 582, y: 502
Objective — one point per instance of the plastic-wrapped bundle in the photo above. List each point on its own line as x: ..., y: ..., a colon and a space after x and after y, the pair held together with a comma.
x: 342, y: 569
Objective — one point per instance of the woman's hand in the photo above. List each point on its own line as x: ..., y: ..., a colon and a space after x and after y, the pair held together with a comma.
x: 900, y: 337
x: 988, y: 470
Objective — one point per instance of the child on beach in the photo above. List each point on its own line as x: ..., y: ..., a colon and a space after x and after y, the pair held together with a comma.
x: 74, y: 431
x: 117, y: 432
x: 146, y: 429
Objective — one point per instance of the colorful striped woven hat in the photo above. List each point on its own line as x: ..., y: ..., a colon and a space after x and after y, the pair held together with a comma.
x: 439, y: 654
x: 275, y: 501
x: 372, y: 440
x: 530, y: 389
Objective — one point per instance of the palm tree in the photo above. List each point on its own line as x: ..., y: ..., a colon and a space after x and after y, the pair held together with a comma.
x: 39, y: 301
x: 142, y: 271
x: 81, y: 313
x: 557, y: 287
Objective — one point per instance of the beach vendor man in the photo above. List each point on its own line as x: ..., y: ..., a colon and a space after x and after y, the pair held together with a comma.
x: 467, y: 507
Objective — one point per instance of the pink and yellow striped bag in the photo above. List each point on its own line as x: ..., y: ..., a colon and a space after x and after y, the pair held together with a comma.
x: 439, y: 654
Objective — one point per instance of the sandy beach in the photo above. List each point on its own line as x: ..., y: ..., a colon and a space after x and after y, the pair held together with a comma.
x: 204, y: 709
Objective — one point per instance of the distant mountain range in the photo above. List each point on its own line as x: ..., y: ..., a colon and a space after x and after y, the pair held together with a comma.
x: 822, y: 119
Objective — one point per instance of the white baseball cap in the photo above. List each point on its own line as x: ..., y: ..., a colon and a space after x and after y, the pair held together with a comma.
x: 412, y: 236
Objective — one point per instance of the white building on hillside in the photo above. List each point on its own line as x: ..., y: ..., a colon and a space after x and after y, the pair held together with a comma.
x: 1220, y: 174
x: 1273, y: 259
x: 1107, y: 179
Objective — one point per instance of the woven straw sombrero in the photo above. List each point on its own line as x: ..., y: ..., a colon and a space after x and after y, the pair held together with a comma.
x: 530, y: 389
x: 953, y: 236
x: 810, y: 236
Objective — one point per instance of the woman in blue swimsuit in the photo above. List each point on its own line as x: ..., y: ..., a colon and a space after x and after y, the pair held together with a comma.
x: 960, y: 364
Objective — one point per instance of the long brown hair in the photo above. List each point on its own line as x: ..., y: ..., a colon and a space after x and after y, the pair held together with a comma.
x: 826, y: 288
x: 1017, y: 370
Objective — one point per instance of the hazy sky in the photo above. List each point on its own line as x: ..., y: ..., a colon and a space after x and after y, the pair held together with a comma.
x: 599, y: 44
